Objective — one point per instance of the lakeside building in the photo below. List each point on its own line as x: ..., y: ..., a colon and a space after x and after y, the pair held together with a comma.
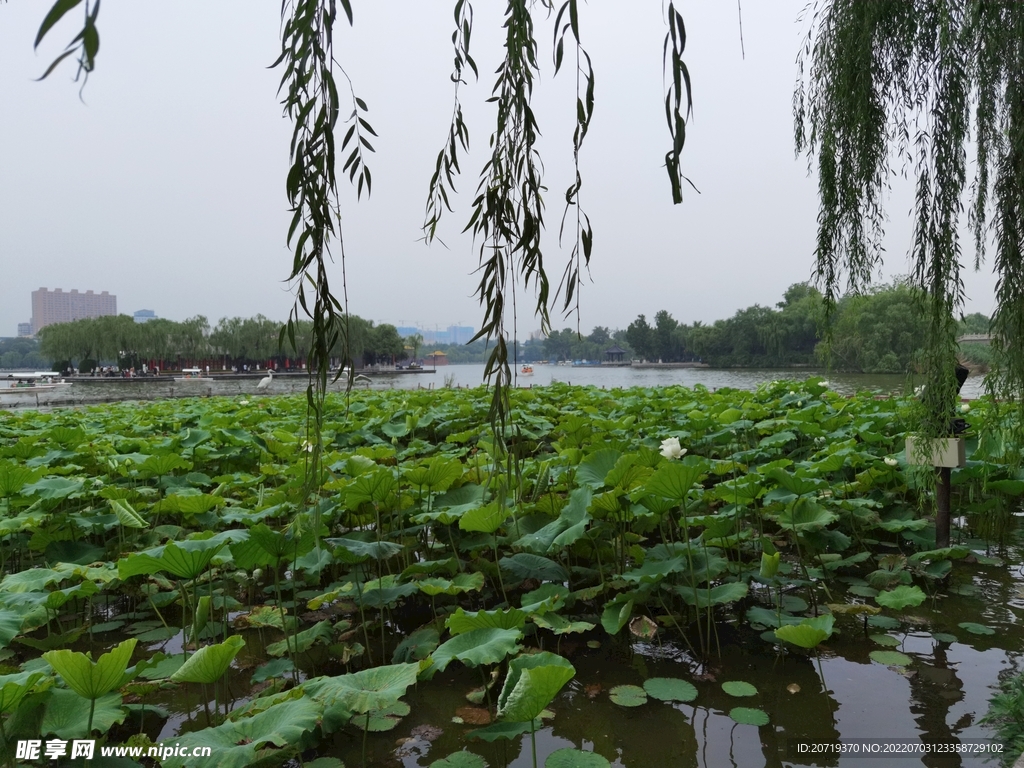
x: 24, y: 330
x: 144, y: 316
x: 56, y: 306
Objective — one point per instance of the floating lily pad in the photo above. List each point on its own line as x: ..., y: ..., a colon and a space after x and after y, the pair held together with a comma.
x: 739, y: 688
x: 901, y: 597
x: 976, y: 629
x: 883, y: 622
x: 887, y: 640
x: 793, y: 604
x: 967, y: 590
x: 108, y: 626
x: 460, y: 760
x: 944, y: 637
x: 628, y: 695
x: 749, y: 716
x: 670, y: 689
x: 890, y: 658
x: 862, y: 590
x: 575, y: 758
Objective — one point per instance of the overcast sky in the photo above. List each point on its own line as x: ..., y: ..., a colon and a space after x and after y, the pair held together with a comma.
x: 166, y: 186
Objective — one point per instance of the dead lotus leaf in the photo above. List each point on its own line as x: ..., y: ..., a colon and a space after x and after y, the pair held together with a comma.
x: 643, y: 627
x: 593, y: 690
x: 793, y: 688
x: 853, y: 609
x: 427, y: 732
x: 474, y: 715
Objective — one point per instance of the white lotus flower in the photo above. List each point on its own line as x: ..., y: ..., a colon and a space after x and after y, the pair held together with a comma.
x: 671, y: 449
x: 965, y: 408
x: 243, y: 402
x: 792, y: 392
x: 891, y: 461
x: 825, y: 384
x: 306, y: 446
x: 799, y: 403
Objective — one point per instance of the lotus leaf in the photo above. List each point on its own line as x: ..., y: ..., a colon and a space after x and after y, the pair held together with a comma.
x: 883, y: 622
x: 92, y: 679
x: 616, y: 614
x: 240, y: 743
x: 210, y: 662
x: 460, y: 760
x: 532, y: 682
x: 748, y: 716
x: 417, y: 646
x: 568, y: 528
x: 628, y: 695
x: 461, y: 621
x: 503, y: 730
x: 524, y: 566
x: 739, y: 688
x: 901, y: 597
x: 809, y: 633
x: 575, y: 758
x: 68, y: 719
x: 886, y: 640
x: 13, y: 688
x: 484, y: 519
x: 184, y: 559
x: 669, y: 689
x: 976, y: 629
x: 462, y: 582
x: 477, y: 646
x: 890, y: 658
x: 593, y: 470
x: 944, y: 637
x: 303, y: 641
x: 674, y: 479
x: 723, y: 594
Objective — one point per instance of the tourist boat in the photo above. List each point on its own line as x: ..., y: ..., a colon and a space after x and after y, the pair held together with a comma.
x: 31, y: 383
x: 192, y: 374
x: 526, y: 370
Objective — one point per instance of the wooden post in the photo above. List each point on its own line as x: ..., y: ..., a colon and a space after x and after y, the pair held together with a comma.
x: 942, y: 491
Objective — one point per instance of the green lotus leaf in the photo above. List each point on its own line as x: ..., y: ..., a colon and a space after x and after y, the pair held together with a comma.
x: 525, y: 566
x: 272, y: 669
x: 669, y: 689
x: 766, y: 617
x: 532, y: 682
x: 243, y: 742
x: 374, y: 487
x: 900, y: 597
x: 568, y: 528
x: 739, y: 688
x: 628, y: 695
x: 367, y: 690
x: 67, y: 714
x: 503, y: 730
x: 944, y: 637
x: 575, y: 758
x: 460, y: 760
x: 382, y: 720
x: 303, y: 641
x: 886, y: 640
x: 976, y: 629
x: 803, y: 515
x: 890, y: 658
x: 595, y: 468
x: 674, y: 479
x: 883, y: 622
x: 184, y: 559
x: 354, y: 551
x: 31, y: 580
x: 809, y: 633
x: 484, y: 519
x: 210, y: 662
x: 461, y: 621
x: 92, y: 679
x: 13, y: 688
x: 53, y: 488
x: 560, y: 625
x: 478, y: 646
x: 723, y: 594
x: 417, y: 646
x: 749, y: 716
x: 462, y: 582
x: 126, y: 514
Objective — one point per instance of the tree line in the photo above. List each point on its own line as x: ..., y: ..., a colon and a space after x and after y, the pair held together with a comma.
x: 882, y: 330
x: 233, y: 342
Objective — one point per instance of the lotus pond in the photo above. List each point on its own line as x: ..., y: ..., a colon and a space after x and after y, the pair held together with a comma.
x: 671, y: 577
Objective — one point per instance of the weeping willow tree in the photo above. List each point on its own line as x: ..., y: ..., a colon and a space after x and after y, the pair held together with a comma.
x: 894, y: 87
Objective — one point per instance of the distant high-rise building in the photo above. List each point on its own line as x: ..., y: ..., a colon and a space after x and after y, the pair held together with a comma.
x: 459, y: 334
x: 144, y: 316
x: 24, y: 329
x: 56, y: 306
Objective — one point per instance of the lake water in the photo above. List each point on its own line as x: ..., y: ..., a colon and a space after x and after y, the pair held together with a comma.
x: 94, y: 391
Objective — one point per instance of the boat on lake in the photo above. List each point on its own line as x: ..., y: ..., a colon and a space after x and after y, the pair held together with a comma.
x: 31, y: 383
x: 526, y: 370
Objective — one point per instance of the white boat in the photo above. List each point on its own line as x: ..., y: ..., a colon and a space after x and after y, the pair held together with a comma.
x: 192, y: 374
x: 31, y: 383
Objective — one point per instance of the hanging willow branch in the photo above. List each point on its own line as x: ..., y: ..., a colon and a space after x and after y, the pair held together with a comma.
x: 890, y: 86
x: 311, y: 100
